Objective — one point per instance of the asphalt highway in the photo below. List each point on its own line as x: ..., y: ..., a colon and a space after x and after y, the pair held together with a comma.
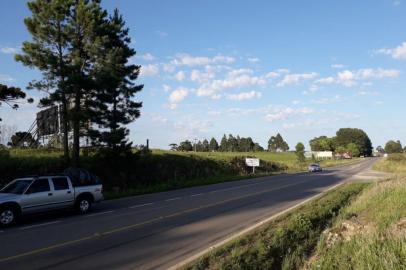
x: 157, y: 231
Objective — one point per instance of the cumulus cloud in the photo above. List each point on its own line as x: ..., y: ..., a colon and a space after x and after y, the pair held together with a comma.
x: 203, y: 76
x: 177, y: 96
x: 148, y: 57
x: 180, y: 76
x: 398, y: 52
x: 189, y: 60
x: 295, y: 78
x: 149, y: 70
x: 282, y: 113
x: 234, y: 81
x: 349, y: 78
x: 245, y: 96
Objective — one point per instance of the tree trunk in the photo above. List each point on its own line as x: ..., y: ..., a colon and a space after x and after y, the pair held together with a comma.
x: 76, y: 130
x: 65, y: 129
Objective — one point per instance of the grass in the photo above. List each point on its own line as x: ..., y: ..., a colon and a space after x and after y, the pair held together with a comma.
x: 158, y: 171
x: 394, y: 163
x: 371, y: 232
x: 284, y: 243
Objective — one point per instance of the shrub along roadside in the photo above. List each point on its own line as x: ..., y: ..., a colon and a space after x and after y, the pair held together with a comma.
x: 284, y: 243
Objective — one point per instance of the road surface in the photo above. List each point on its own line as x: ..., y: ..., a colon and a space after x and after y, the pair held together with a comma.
x: 157, y: 231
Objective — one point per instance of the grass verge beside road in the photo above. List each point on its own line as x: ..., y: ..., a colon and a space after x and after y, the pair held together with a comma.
x: 156, y: 171
x: 285, y: 242
x: 370, y: 233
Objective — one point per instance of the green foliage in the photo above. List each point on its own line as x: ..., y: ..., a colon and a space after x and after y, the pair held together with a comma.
x: 113, y: 105
x: 322, y: 143
x: 284, y: 243
x: 393, y: 147
x: 276, y: 143
x: 300, y: 150
x: 185, y: 146
x: 345, y: 136
x: 214, y: 146
x: 10, y: 95
x: 22, y: 139
x: 353, y: 149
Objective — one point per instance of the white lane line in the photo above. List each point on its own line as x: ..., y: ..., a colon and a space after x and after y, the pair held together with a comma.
x: 101, y: 213
x: 173, y: 199
x: 140, y: 205
x: 39, y: 225
x: 198, y: 194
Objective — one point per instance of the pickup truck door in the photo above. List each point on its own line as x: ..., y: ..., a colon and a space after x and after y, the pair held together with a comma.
x: 63, y: 193
x: 38, y: 196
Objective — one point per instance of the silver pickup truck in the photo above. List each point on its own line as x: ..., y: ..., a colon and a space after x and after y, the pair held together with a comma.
x: 39, y: 194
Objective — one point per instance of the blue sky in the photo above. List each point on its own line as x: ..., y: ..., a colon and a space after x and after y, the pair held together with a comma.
x: 253, y: 68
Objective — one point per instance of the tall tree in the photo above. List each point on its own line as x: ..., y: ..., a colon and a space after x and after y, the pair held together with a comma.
x: 300, y: 150
x: 214, y: 146
x: 344, y: 136
x: 393, y: 147
x: 112, y: 105
x: 11, y: 95
x: 272, y: 144
x: 50, y: 52
x: 224, y: 144
x: 205, y: 146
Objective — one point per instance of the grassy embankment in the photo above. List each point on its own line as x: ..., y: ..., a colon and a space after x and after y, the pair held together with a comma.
x: 154, y: 172
x: 284, y: 243
x: 371, y: 232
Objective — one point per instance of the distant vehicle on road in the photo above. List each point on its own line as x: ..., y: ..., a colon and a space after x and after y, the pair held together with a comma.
x: 315, y: 167
x: 44, y: 193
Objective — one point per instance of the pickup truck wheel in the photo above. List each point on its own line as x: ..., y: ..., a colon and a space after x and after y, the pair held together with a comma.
x: 83, y: 205
x: 8, y: 216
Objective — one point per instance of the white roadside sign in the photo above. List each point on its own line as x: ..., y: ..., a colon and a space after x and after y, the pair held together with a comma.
x: 252, y: 162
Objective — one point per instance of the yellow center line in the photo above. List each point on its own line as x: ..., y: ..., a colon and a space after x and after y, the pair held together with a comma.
x: 125, y: 228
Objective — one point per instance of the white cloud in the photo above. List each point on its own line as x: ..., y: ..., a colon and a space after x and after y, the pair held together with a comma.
x: 396, y: 3
x: 9, y: 50
x: 379, y: 73
x: 334, y: 99
x: 326, y: 80
x: 253, y: 59
x: 166, y: 87
x: 238, y: 81
x: 295, y: 78
x: 346, y: 78
x: 202, y: 76
x: 191, y: 128
x: 296, y: 102
x: 180, y: 76
x: 396, y: 53
x: 177, y: 96
x: 159, y: 119
x: 281, y: 113
x: 149, y: 70
x: 189, y: 60
x: 148, y: 57
x: 245, y: 96
x: 6, y: 78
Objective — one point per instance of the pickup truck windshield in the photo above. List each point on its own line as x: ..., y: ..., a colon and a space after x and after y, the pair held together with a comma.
x: 16, y: 187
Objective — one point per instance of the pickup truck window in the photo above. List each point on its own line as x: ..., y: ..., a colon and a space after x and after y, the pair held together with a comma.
x: 60, y: 183
x: 40, y: 185
x: 16, y: 187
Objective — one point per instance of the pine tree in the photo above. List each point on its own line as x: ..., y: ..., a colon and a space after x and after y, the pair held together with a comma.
x: 10, y: 95
x: 113, y: 106
x: 205, y: 146
x: 224, y: 144
x: 214, y: 146
x: 49, y: 51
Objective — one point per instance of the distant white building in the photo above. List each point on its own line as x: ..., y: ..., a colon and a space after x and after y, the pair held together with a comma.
x: 319, y: 154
